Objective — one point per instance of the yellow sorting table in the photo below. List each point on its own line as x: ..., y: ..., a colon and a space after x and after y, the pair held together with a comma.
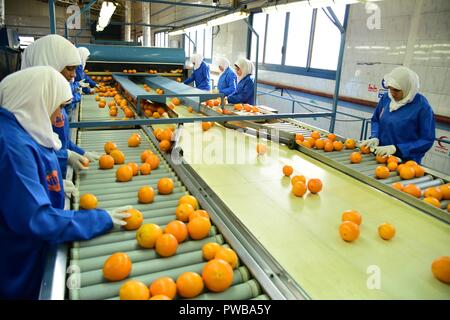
x: 302, y: 233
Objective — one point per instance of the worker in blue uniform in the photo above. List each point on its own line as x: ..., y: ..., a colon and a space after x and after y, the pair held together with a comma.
x: 246, y: 83
x: 63, y: 56
x: 403, y: 123
x: 32, y: 217
x: 201, y: 75
x: 228, y: 79
x: 81, y: 77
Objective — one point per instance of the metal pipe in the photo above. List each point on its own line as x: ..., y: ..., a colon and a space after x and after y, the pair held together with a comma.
x: 195, y: 44
x: 256, y: 63
x: 187, y: 4
x: 51, y: 15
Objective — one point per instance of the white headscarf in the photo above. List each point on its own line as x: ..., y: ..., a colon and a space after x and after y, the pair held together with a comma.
x: 84, y: 55
x: 47, y: 89
x: 223, y: 62
x: 51, y: 50
x: 402, y: 78
x: 197, y: 60
x: 246, y: 67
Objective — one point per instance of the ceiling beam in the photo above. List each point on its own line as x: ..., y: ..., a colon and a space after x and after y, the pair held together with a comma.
x: 188, y: 4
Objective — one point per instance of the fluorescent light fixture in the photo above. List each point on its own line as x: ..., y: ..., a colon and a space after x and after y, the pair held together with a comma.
x: 196, y: 27
x: 106, y: 13
x: 176, y: 33
x: 311, y: 4
x: 228, y: 18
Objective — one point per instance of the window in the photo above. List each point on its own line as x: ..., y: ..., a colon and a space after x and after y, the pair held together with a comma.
x: 306, y: 51
x: 327, y: 39
x: 193, y: 37
x: 298, y: 38
x: 162, y: 39
x: 259, y: 24
x: 25, y: 41
x: 208, y: 43
x: 202, y: 39
x: 275, y: 37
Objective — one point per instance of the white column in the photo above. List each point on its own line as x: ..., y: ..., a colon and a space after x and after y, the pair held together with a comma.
x: 128, y: 20
x: 146, y: 19
x: 2, y: 13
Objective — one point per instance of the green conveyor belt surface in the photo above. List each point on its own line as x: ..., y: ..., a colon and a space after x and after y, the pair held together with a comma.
x: 302, y: 233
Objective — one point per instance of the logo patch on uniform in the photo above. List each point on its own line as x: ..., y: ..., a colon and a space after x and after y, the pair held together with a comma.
x: 53, y: 181
x: 58, y: 121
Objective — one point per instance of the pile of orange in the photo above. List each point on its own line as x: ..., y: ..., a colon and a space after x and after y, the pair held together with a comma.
x: 300, y: 185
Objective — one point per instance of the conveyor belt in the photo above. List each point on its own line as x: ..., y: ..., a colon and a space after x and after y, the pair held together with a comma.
x: 89, y: 256
x: 91, y: 112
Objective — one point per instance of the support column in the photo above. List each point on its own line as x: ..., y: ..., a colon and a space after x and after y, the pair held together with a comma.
x: 51, y: 15
x: 2, y: 13
x: 146, y: 30
x: 128, y: 20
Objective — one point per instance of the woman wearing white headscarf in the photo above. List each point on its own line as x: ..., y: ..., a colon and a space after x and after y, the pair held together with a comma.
x: 246, y: 83
x: 63, y: 56
x: 201, y: 75
x: 403, y: 123
x: 80, y: 76
x: 31, y: 209
x: 227, y: 80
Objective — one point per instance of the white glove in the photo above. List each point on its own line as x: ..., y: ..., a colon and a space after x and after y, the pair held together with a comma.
x: 118, y: 214
x: 165, y: 115
x: 385, y: 150
x: 92, y: 155
x: 370, y: 143
x: 70, y: 189
x: 76, y: 160
x: 84, y: 84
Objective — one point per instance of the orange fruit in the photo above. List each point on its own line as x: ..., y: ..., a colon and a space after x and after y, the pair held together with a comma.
x: 355, y: 157
x: 349, y: 231
x: 164, y: 286
x: 166, y: 245
x: 311, y: 141
x: 198, y: 228
x: 238, y: 107
x: 407, y: 172
x: 210, y: 249
x: 147, y: 234
x: 441, y: 269
x: 157, y: 133
x: 134, y: 142
x: 319, y: 144
x: 117, y: 267
x: 190, y: 109
x: 445, y: 189
x: 146, y: 194
x: 190, y: 200
x: 296, y: 179
x: 199, y: 213
x: 352, y: 215
x: 102, y: 104
x: 145, y: 154
x: 261, y: 149
x: 328, y: 147
x: 381, y: 159
x: 392, y: 166
x: 411, y: 163
x: 227, y: 255
x: 314, y: 185
x: 134, y: 290
x: 124, y: 173
x: 315, y: 134
x: 145, y: 169
x: 165, y: 145
x: 166, y: 134
x: 134, y: 168
x: 433, y: 201
x: 382, y: 172
x: 189, y: 284
x: 183, y: 212
x: 178, y: 229
x: 118, y: 156
x: 364, y: 150
x: 386, y: 231
x: 156, y: 115
x: 176, y: 101
x: 113, y: 112
x: 106, y: 162
x: 88, y: 201
x: 97, y: 98
x: 206, y: 126
x: 350, y: 144
x: 331, y: 136
x: 338, y: 145
x: 299, y: 137
x: 413, y: 190
x: 398, y: 186
x: 153, y: 161
x: 287, y: 170
x: 299, y: 189
x: 165, y: 186
x: 419, y: 171
x: 433, y: 192
x: 160, y: 297
x: 392, y: 159
x: 217, y: 275
x: 306, y: 144
x: 110, y: 146
x: 448, y: 207
x: 134, y: 221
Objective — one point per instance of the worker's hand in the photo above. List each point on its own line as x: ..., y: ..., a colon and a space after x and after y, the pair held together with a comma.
x: 76, y: 161
x: 165, y: 115
x: 84, y: 84
x: 117, y: 215
x: 385, y: 150
x: 370, y: 143
x: 70, y: 189
x: 92, y: 155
